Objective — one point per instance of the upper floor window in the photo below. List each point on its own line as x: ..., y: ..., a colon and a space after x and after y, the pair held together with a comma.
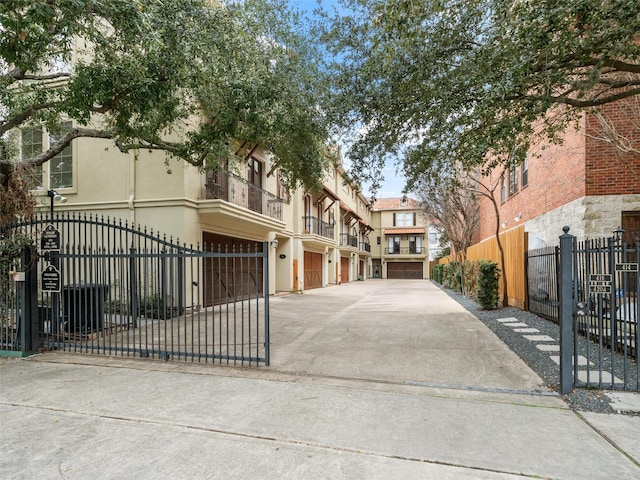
x: 525, y: 171
x: 254, y: 172
x: 503, y: 189
x: 56, y: 173
x: 404, y: 219
x: 513, y: 181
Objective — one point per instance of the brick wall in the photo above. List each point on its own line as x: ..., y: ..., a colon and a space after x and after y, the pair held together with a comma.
x: 610, y: 170
x: 556, y: 177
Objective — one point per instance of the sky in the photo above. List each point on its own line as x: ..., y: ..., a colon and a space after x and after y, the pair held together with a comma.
x: 393, y: 181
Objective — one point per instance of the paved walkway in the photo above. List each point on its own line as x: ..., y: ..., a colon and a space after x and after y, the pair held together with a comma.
x: 372, y: 380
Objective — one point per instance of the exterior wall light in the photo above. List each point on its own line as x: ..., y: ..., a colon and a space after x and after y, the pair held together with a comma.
x: 274, y: 243
x: 53, y: 195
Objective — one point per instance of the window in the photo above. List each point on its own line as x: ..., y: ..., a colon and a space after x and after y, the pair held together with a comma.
x: 56, y: 173
x: 378, y: 240
x: 393, y: 244
x: 525, y: 171
x: 503, y: 189
x: 31, y: 145
x: 415, y: 244
x: 254, y: 172
x: 513, y: 181
x: 404, y: 220
x: 61, y: 166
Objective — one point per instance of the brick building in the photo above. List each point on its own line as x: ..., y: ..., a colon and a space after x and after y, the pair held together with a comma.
x: 587, y: 183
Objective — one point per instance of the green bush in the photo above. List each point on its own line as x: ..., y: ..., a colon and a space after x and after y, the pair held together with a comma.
x: 487, y: 289
x: 452, y: 276
x: 437, y: 272
x: 470, y: 278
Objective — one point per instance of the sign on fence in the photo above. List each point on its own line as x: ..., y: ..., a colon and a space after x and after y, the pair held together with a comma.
x: 50, y: 239
x: 626, y: 267
x: 50, y: 281
x: 600, y: 283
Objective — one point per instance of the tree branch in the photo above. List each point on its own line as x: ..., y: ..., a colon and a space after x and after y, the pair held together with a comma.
x: 21, y: 117
x: 64, y: 142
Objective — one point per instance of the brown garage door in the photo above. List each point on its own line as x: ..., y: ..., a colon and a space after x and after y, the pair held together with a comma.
x: 407, y: 270
x: 228, y: 278
x: 344, y: 269
x: 312, y: 270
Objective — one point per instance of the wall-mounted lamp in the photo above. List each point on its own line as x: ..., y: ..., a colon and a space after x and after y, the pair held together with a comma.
x: 618, y: 233
x: 274, y: 243
x: 53, y: 195
x: 518, y: 217
x: 504, y: 224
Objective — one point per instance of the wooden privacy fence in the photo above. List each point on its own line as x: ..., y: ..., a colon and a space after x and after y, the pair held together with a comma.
x: 515, y: 244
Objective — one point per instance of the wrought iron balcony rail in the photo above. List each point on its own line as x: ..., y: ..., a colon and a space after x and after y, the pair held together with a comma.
x: 347, y: 240
x: 405, y: 251
x: 236, y: 190
x: 366, y: 247
x: 315, y: 226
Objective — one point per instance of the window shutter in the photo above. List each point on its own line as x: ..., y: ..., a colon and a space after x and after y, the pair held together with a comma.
x: 394, y: 219
x: 414, y: 218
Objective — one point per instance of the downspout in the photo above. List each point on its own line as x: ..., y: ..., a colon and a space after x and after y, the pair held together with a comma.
x: 132, y: 189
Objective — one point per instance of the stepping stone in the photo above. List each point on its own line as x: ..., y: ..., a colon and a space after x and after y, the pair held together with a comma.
x: 594, y: 377
x: 548, y: 348
x: 519, y: 324
x: 539, y: 338
x: 526, y: 330
x: 624, y: 401
x: 507, y: 320
x: 581, y: 360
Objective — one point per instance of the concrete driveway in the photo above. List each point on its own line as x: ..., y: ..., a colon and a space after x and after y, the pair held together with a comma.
x: 372, y: 380
x: 391, y: 330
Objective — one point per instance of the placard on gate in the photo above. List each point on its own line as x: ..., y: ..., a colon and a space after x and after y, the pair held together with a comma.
x: 50, y: 281
x: 50, y: 239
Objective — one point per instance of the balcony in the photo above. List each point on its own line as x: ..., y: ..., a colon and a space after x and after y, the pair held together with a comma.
x: 236, y: 190
x: 405, y: 251
x: 347, y: 240
x: 365, y: 247
x: 315, y: 226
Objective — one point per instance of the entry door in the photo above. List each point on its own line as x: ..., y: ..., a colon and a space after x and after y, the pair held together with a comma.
x: 344, y: 267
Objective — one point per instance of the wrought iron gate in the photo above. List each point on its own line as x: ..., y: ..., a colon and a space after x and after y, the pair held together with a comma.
x: 599, y: 300
x: 101, y: 286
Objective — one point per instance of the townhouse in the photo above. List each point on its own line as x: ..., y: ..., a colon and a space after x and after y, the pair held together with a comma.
x: 401, y: 244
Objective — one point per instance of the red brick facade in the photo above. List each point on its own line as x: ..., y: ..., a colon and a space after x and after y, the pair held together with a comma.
x: 609, y: 170
x: 584, y: 165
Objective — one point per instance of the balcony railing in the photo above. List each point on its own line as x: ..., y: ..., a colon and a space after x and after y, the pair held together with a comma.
x: 405, y: 251
x: 366, y: 247
x: 315, y: 226
x: 347, y: 240
x: 236, y: 190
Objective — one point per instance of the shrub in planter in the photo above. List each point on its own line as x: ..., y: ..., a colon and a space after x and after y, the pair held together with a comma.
x: 487, y: 290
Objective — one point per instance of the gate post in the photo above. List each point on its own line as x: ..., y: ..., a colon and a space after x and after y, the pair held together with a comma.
x: 565, y: 275
x: 29, y: 304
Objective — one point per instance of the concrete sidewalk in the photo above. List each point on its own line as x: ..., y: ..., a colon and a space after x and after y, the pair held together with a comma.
x: 330, y: 407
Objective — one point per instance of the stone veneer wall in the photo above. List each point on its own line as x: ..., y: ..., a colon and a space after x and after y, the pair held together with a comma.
x: 587, y: 217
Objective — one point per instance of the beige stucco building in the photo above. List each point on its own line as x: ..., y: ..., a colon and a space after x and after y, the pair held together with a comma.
x: 401, y: 248
x: 315, y: 239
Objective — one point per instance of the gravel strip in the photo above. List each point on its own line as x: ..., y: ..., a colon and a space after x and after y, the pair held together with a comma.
x: 580, y: 399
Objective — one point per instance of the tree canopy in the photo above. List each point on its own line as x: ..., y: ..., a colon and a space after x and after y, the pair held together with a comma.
x: 183, y: 76
x: 475, y: 79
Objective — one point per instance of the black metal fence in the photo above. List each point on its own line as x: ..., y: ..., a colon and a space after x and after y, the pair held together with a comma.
x: 542, y: 282
x: 598, y: 313
x: 105, y: 287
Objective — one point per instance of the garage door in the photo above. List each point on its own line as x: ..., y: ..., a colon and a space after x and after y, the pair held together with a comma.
x: 407, y: 270
x: 227, y: 279
x: 312, y: 270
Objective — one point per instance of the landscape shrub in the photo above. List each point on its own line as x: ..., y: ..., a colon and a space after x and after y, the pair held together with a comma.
x: 487, y: 289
